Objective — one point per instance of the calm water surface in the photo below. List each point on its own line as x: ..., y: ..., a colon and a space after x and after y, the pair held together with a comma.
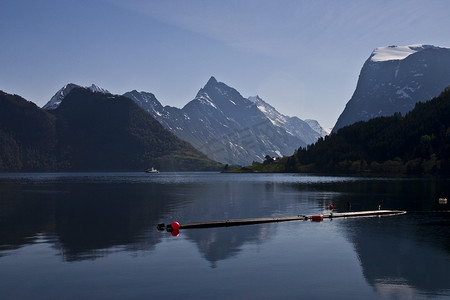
x: 93, y: 236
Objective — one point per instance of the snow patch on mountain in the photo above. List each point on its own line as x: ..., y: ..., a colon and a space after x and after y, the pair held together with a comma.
x: 205, y: 99
x: 392, y: 53
x: 397, y: 52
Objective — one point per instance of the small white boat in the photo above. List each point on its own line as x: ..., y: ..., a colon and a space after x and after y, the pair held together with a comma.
x: 152, y: 170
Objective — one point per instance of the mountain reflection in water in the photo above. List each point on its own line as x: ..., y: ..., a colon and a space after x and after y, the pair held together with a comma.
x: 90, y: 216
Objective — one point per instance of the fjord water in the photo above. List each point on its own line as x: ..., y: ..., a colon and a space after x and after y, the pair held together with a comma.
x: 93, y: 236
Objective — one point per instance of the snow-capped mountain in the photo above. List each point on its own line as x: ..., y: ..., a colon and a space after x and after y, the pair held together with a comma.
x: 56, y: 100
x: 293, y: 125
x: 394, y: 79
x: 229, y: 128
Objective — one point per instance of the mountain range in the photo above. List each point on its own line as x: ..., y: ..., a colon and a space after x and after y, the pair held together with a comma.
x: 223, y: 124
x: 394, y: 79
x: 229, y: 128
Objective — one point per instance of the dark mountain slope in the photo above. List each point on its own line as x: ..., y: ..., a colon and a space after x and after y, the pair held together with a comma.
x: 90, y: 131
x: 27, y: 135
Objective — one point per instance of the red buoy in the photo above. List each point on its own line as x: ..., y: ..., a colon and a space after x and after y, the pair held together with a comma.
x: 175, y: 226
x: 331, y: 206
x: 317, y: 218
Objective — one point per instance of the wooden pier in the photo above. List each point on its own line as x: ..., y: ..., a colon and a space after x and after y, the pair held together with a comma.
x: 240, y: 222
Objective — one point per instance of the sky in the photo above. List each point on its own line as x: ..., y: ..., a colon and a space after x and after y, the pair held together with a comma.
x: 302, y: 57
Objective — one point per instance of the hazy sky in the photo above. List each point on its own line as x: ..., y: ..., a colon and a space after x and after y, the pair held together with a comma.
x: 303, y: 57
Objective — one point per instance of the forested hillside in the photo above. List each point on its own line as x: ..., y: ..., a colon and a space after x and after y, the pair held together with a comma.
x: 416, y: 143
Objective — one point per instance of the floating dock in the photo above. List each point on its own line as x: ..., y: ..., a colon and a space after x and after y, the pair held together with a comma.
x: 240, y: 222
